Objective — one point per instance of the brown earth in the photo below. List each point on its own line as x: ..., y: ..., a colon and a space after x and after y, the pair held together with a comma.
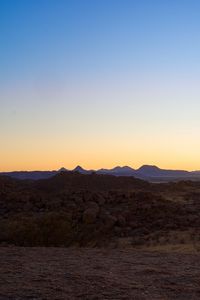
x: 67, y: 273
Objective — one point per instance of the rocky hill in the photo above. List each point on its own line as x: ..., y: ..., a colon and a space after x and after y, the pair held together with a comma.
x: 97, y: 210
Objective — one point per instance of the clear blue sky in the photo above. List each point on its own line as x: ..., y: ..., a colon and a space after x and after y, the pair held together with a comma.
x: 99, y: 83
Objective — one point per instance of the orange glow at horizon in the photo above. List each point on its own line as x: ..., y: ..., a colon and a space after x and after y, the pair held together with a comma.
x: 100, y: 154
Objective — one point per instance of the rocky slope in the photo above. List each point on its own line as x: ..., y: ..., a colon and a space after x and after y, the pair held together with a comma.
x: 73, y: 209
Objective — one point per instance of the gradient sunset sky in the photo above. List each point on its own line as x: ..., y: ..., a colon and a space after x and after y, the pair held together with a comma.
x: 99, y: 83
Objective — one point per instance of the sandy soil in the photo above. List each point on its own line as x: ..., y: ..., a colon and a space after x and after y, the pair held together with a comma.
x: 58, y: 273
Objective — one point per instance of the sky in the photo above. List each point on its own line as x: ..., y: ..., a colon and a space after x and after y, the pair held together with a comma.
x: 99, y: 84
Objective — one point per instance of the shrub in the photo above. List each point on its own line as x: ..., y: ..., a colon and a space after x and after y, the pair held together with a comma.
x: 51, y: 229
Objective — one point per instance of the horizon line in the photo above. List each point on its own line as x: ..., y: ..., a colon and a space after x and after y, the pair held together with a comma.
x: 91, y: 169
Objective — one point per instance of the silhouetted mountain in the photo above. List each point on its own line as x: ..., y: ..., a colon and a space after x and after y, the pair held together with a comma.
x: 118, y: 171
x: 146, y: 172
x: 148, y: 169
x: 79, y: 169
x: 154, y: 171
x: 31, y: 175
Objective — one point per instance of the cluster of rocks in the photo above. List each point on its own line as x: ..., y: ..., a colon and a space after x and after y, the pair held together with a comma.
x: 93, y: 214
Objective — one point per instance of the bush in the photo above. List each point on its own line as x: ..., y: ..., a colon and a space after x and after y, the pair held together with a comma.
x: 51, y: 229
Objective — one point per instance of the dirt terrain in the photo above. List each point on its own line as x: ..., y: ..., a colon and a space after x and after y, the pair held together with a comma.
x: 67, y: 273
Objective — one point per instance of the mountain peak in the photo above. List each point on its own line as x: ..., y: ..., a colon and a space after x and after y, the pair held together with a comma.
x: 149, y: 170
x: 78, y: 169
x: 148, y: 167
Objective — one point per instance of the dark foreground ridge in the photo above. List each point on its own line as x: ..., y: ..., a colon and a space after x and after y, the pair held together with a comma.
x: 72, y: 209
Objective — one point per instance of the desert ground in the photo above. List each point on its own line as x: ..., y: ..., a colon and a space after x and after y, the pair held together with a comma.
x: 68, y: 273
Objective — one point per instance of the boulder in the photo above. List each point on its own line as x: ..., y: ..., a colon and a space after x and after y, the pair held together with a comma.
x: 121, y: 221
x: 110, y: 221
x: 91, y: 212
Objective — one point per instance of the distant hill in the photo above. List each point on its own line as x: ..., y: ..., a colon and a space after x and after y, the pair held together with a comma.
x: 145, y: 172
x: 31, y: 175
x: 93, y: 181
x: 154, y: 171
x: 118, y: 171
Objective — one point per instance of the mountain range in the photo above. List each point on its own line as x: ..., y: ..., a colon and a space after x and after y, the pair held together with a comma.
x: 146, y: 172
